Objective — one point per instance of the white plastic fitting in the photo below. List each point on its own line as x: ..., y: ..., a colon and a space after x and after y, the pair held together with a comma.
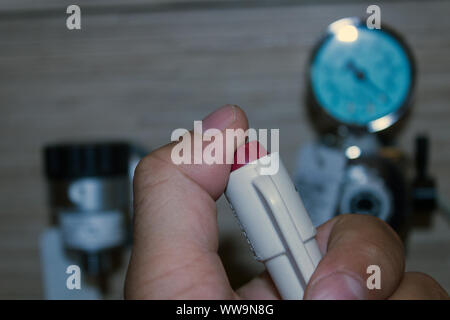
x: 276, y: 225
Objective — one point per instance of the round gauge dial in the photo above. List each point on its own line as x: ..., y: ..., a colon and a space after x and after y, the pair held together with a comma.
x: 362, y: 77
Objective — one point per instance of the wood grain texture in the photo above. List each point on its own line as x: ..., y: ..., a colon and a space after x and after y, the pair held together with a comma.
x: 139, y: 75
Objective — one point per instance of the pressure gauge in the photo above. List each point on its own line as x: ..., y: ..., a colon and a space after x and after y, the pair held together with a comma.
x: 360, y: 78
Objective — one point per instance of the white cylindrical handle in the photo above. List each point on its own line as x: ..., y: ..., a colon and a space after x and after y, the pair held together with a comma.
x: 276, y: 225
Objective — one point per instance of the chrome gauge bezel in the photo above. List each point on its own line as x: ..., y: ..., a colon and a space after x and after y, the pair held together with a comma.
x: 324, y: 121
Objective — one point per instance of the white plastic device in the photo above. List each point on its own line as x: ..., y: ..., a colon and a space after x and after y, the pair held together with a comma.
x: 276, y: 224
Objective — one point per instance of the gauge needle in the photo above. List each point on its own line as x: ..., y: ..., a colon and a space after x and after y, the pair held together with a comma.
x: 360, y: 75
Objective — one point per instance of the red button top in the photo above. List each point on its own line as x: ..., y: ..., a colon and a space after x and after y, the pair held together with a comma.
x: 247, y: 153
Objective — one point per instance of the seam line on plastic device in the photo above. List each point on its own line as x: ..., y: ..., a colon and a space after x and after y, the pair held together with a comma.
x: 273, y: 216
x: 299, y: 235
x: 290, y: 247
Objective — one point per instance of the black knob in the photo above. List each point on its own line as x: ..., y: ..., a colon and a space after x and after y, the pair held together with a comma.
x: 424, y: 186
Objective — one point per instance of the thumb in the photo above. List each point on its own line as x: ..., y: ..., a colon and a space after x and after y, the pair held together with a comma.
x: 175, y: 227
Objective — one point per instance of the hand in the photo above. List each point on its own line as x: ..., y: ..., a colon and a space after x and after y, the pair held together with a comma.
x: 176, y: 240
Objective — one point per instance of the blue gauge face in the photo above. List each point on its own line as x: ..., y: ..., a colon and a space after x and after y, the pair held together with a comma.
x: 360, y: 75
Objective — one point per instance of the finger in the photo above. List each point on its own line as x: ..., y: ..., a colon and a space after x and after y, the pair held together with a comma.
x: 175, y: 228
x: 259, y: 288
x: 351, y: 243
x: 419, y: 286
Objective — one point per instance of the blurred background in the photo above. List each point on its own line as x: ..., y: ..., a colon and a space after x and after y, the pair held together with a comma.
x: 138, y: 69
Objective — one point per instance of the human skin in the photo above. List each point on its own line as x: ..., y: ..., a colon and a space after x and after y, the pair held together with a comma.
x: 175, y: 238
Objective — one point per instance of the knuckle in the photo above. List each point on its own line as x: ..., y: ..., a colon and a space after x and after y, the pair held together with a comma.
x: 372, y: 228
x: 151, y: 174
x: 150, y: 168
x: 146, y: 164
x: 426, y: 283
x: 371, y: 240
